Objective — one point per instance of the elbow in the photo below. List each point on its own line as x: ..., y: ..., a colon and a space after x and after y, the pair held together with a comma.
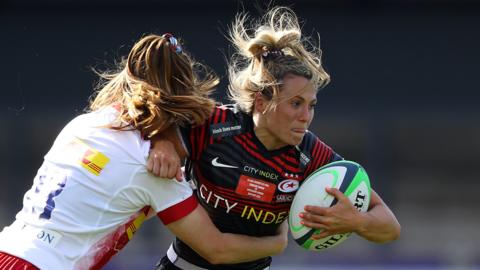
x: 282, y: 246
x: 216, y: 259
x: 393, y: 235
x: 396, y: 232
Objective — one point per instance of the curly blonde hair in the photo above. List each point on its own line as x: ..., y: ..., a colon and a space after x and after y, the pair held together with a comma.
x: 157, y: 86
x: 269, y: 49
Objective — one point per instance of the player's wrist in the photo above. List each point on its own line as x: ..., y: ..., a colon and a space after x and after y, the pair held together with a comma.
x: 361, y: 224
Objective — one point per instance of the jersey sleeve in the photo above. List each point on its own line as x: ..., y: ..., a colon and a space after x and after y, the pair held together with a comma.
x: 170, y: 199
x: 196, y: 139
x: 319, y: 152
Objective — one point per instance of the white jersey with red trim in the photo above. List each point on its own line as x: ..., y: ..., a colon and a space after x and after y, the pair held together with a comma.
x: 90, y: 195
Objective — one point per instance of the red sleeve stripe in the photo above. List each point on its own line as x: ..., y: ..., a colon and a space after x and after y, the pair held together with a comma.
x: 321, y: 155
x: 216, y: 115
x: 312, y: 164
x: 178, y: 211
x: 224, y: 115
x: 327, y: 152
x: 317, y: 156
x: 201, y: 140
x: 316, y: 148
x: 328, y: 155
x: 11, y: 262
x: 324, y: 154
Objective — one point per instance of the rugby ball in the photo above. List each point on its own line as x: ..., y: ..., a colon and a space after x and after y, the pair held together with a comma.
x: 348, y: 177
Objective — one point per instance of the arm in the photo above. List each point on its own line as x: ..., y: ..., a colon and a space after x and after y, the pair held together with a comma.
x: 378, y: 224
x: 199, y: 233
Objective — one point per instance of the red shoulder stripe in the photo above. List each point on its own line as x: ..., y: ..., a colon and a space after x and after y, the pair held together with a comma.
x: 201, y: 141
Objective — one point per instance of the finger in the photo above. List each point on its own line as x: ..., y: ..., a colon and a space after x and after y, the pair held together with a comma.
x: 336, y: 193
x: 172, y: 172
x: 150, y: 164
x: 313, y: 225
x: 179, y: 174
x: 164, y: 170
x: 156, y: 167
x: 321, y: 235
x: 317, y: 210
x: 311, y: 218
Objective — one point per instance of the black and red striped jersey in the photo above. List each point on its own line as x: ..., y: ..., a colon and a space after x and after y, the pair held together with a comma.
x: 245, y: 188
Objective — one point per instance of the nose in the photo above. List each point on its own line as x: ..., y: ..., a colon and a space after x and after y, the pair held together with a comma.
x: 305, y: 114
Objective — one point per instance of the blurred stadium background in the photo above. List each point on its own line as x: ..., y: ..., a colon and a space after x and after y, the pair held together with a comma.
x: 403, y: 102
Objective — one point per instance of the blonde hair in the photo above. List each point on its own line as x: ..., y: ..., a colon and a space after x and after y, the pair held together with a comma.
x: 157, y: 86
x: 272, y: 48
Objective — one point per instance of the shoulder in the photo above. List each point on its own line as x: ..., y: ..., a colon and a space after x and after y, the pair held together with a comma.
x: 310, y: 140
x: 315, y: 152
x: 92, y: 133
x: 229, y: 120
x: 231, y: 112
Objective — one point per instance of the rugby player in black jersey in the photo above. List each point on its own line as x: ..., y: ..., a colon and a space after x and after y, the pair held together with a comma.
x: 248, y: 160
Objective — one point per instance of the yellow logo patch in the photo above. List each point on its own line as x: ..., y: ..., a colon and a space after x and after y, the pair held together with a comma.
x: 135, y: 225
x: 93, y: 160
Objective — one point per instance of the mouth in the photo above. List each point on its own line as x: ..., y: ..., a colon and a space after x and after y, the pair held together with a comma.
x: 299, y: 130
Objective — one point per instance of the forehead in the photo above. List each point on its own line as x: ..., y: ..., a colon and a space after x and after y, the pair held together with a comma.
x: 297, y: 86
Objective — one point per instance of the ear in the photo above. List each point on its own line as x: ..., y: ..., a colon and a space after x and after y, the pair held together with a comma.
x: 260, y: 103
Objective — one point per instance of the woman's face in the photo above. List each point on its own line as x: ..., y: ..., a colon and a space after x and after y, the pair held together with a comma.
x: 287, y: 123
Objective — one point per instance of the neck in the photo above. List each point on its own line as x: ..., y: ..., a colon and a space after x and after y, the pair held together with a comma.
x: 264, y: 135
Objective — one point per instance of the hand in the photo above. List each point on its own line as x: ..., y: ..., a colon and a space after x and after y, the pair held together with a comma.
x: 163, y: 160
x: 343, y: 217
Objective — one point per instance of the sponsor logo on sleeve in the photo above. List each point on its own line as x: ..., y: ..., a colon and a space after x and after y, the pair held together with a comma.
x: 225, y: 130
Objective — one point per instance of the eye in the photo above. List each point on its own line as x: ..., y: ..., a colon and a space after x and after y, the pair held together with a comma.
x: 295, y: 103
x: 312, y: 106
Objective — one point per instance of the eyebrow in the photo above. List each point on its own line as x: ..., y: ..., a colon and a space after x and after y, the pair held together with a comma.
x: 300, y: 97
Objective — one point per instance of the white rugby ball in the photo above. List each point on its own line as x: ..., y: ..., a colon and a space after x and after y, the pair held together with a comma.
x: 348, y: 177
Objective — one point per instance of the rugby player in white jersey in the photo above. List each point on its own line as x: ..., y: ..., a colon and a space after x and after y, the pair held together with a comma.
x: 93, y: 191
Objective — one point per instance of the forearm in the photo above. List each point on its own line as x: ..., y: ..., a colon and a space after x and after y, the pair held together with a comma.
x: 379, y: 225
x: 199, y: 233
